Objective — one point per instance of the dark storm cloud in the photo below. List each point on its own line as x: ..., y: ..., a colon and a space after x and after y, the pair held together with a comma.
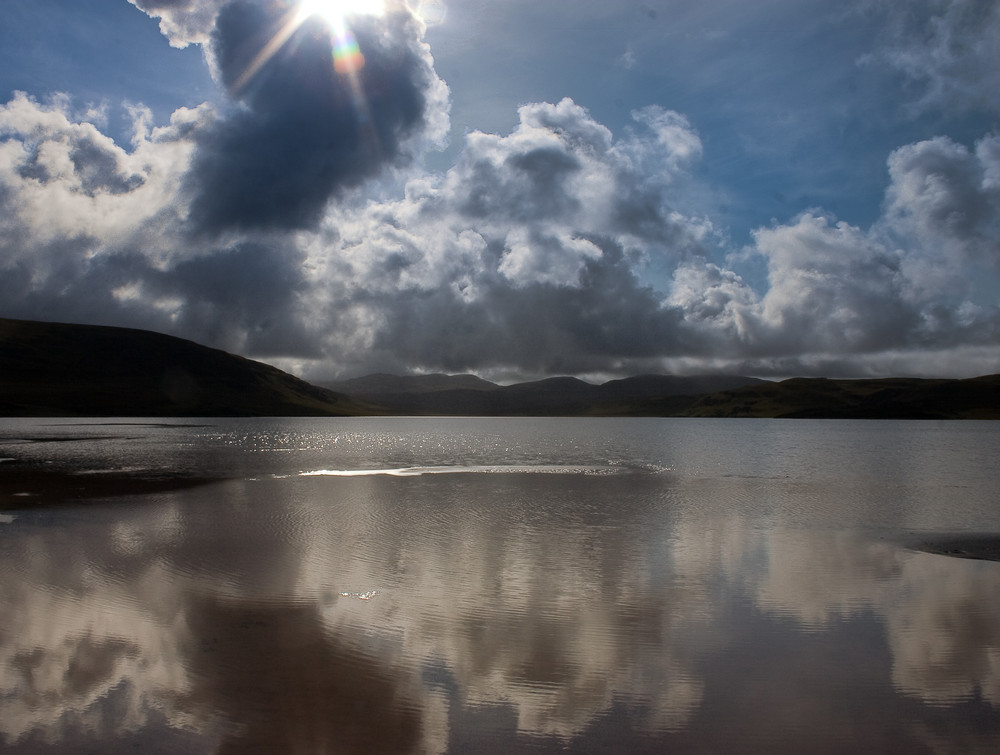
x: 542, y: 328
x: 303, y: 133
x: 245, y: 295
x: 526, y: 186
x: 241, y: 299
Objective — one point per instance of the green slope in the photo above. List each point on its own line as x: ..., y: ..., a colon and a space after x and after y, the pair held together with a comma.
x: 887, y: 398
x: 55, y: 369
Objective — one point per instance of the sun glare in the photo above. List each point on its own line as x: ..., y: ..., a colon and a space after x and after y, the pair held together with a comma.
x: 333, y: 12
x: 347, y: 57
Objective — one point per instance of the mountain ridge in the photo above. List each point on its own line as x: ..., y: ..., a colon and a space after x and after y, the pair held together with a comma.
x: 561, y: 395
x: 60, y: 369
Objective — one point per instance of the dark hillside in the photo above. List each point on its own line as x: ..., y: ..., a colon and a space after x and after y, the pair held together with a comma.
x: 52, y: 369
x: 885, y: 398
x: 467, y: 395
x: 55, y: 369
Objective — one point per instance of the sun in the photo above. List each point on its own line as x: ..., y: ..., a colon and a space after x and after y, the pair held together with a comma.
x: 347, y: 57
x: 333, y: 12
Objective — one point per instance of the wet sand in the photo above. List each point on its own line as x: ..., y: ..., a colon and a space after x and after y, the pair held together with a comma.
x: 27, y: 484
x: 985, y: 547
x: 30, y: 484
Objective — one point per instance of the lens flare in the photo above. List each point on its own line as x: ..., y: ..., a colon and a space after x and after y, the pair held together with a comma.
x: 347, y: 57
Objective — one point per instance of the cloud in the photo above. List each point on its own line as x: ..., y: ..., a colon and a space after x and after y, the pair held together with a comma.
x: 677, y: 140
x: 717, y: 302
x: 948, y: 48
x: 525, y: 254
x: 305, y: 132
x: 947, y: 199
x: 74, y: 200
x: 245, y: 294
x: 832, y: 287
x: 280, y: 226
x: 528, y: 257
x: 537, y: 259
x: 902, y: 284
x: 183, y: 22
x: 88, y: 234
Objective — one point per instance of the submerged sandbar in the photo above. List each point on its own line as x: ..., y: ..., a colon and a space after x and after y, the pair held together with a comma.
x: 985, y: 547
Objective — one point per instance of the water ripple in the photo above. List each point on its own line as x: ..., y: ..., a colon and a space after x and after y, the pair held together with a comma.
x: 473, y: 469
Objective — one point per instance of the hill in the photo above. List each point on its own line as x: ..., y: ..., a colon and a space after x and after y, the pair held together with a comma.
x: 55, y: 369
x: 691, y: 396
x: 884, y: 398
x: 467, y: 395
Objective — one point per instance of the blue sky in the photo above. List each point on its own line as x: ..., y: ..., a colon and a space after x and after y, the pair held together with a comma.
x: 516, y: 189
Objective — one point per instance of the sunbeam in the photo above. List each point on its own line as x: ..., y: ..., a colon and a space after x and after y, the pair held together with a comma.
x: 347, y: 55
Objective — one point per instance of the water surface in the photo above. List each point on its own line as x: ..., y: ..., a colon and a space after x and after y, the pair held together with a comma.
x: 507, y: 585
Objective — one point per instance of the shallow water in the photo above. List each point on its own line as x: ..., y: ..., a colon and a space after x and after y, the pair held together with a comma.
x: 505, y: 585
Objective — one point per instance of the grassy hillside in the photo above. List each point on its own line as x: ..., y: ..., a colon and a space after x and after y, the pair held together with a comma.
x: 690, y: 396
x: 888, y: 398
x: 54, y: 369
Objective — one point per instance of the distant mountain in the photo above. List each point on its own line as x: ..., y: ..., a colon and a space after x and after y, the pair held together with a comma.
x: 692, y: 396
x: 54, y: 369
x: 886, y: 398
x: 467, y: 395
x: 383, y: 384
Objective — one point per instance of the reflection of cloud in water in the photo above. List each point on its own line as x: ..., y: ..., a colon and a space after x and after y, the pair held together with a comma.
x: 77, y: 664
x: 204, y: 613
x: 944, y: 629
x: 232, y: 613
x: 523, y: 605
x: 941, y: 614
x: 814, y: 577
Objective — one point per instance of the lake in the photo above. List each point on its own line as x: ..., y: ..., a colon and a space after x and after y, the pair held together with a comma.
x: 498, y: 585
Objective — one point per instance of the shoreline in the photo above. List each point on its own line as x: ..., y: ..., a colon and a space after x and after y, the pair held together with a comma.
x: 28, y: 485
x: 979, y: 547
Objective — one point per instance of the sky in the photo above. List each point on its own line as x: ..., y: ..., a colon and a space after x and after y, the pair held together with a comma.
x: 515, y: 189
